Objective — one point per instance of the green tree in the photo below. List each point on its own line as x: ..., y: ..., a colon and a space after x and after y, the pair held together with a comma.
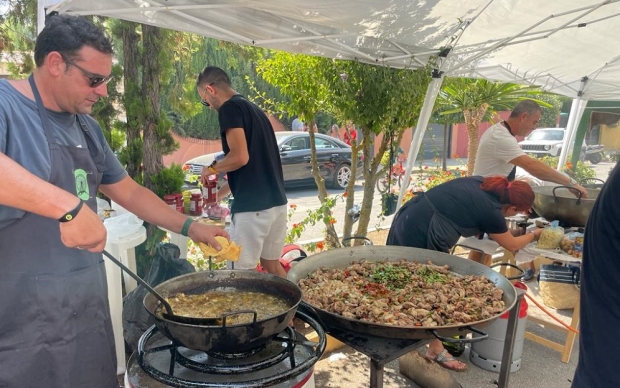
x: 295, y: 76
x: 550, y: 115
x: 478, y: 100
x: 240, y: 64
x: 18, y: 31
x: 376, y: 98
x: 127, y: 36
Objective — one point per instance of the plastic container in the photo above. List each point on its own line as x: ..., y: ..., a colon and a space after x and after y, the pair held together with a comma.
x: 488, y: 354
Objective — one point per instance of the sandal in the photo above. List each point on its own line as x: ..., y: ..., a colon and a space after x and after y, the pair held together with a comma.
x: 443, y: 358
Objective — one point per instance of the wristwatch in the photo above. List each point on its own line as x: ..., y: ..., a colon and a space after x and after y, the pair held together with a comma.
x: 571, y: 181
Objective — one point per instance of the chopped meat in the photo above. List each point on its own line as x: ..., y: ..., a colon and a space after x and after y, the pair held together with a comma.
x: 407, y: 294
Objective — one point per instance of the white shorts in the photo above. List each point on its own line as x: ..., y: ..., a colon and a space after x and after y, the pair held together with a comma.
x: 260, y: 235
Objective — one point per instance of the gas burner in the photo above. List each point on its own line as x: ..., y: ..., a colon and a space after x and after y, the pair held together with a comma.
x: 237, y: 355
x: 285, y: 361
x: 253, y: 360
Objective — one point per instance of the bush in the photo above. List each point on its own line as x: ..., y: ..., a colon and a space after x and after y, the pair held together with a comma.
x: 581, y: 172
x: 169, y: 180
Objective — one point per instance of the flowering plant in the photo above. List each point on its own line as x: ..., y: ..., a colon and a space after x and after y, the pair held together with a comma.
x: 580, y: 173
x: 313, y: 217
x: 429, y: 180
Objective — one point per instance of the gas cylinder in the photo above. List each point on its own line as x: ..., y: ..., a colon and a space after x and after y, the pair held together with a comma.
x: 487, y: 354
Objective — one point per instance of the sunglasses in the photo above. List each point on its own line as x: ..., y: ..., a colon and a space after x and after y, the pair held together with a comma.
x: 203, y: 102
x: 95, y: 79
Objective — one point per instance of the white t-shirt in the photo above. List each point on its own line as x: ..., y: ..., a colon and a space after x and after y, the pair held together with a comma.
x: 496, y: 149
x: 297, y: 125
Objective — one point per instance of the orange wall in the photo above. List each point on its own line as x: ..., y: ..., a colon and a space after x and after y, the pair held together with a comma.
x: 190, y: 148
x: 458, y: 146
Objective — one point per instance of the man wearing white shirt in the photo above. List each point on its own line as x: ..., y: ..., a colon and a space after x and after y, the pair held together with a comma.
x: 297, y: 125
x: 499, y: 152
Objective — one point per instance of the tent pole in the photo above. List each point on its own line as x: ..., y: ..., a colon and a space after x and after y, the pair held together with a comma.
x: 576, y: 111
x: 416, y: 141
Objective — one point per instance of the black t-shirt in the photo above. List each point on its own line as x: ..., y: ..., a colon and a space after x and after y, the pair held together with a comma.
x: 461, y: 208
x: 600, y: 291
x: 259, y: 185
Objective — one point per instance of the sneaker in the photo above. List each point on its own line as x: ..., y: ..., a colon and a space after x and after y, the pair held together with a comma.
x: 528, y: 275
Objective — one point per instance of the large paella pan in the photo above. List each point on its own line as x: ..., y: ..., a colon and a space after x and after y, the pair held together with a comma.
x: 342, y: 258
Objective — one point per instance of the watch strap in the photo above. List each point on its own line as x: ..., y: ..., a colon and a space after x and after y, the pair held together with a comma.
x: 72, y: 213
x: 211, y: 167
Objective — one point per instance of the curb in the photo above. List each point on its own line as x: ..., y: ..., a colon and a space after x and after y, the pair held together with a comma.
x: 315, y: 240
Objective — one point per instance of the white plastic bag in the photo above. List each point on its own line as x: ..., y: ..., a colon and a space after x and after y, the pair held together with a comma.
x: 122, y: 226
x: 218, y: 212
x: 551, y: 236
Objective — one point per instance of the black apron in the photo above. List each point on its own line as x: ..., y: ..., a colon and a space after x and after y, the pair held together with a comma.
x: 55, y: 329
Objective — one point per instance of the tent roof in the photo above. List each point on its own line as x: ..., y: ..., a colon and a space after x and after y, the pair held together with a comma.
x: 557, y: 45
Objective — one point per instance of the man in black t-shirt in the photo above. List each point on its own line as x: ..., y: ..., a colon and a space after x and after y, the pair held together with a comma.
x: 600, y: 292
x: 254, y: 170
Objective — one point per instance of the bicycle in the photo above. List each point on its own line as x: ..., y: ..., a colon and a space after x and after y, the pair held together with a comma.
x: 393, y: 178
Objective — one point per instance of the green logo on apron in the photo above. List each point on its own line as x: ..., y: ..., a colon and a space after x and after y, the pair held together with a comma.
x: 81, y: 184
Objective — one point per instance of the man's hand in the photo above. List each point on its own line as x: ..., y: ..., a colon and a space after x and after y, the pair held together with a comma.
x: 583, y: 190
x: 202, y: 233
x: 204, y: 175
x: 84, y: 231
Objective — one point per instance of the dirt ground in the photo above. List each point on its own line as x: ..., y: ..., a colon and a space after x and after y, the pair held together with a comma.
x: 378, y: 237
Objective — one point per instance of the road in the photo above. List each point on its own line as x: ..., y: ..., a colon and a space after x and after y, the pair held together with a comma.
x: 307, y: 199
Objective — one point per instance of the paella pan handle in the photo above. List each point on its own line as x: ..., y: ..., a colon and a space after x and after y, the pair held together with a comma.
x: 347, y: 240
x: 482, y: 337
x: 577, y: 192
x: 239, y: 312
x: 309, y: 310
x: 585, y: 180
x: 521, y: 271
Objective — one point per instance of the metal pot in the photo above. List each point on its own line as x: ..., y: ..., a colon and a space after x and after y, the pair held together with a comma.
x: 225, y: 337
x: 563, y: 203
x: 519, y: 223
x: 342, y: 258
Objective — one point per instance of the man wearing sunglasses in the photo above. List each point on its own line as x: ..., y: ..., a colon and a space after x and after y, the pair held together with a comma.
x: 56, y: 329
x: 252, y: 164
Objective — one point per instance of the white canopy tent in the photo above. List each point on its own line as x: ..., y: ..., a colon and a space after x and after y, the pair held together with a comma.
x: 567, y: 47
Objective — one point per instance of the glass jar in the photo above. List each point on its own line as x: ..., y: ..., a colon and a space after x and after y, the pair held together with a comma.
x: 195, y: 204
x: 171, y: 200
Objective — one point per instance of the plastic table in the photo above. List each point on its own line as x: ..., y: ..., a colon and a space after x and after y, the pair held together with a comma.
x: 122, y: 249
